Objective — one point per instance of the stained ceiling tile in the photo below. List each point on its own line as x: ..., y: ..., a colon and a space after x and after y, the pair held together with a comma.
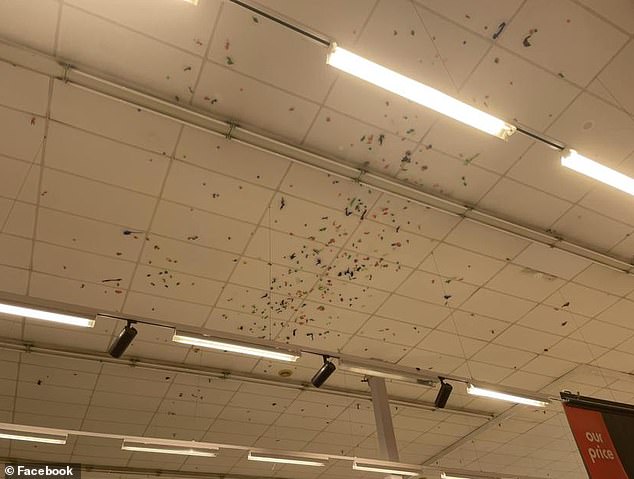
x: 522, y: 203
x: 553, y: 320
x: 369, y: 271
x: 230, y: 158
x: 569, y: 40
x: 258, y: 302
x: 251, y: 44
x: 242, y: 99
x: 552, y: 261
x: 581, y: 300
x: 346, y: 294
x: 525, y: 282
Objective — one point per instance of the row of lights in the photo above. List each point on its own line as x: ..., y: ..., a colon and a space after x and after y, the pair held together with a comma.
x: 288, y: 354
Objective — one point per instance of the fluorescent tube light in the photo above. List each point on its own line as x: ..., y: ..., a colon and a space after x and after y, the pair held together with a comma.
x: 236, y: 346
x: 193, y: 2
x: 396, y: 373
x: 588, y: 167
x: 312, y: 460
x: 417, y: 92
x: 444, y: 475
x: 489, y: 393
x: 33, y: 436
x: 194, y: 450
x: 385, y: 467
x: 46, y: 315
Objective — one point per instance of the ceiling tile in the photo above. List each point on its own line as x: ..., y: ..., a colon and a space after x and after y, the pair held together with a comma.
x: 552, y: 261
x: 181, y: 24
x: 522, y: 203
x: 620, y: 313
x: 201, y: 228
x: 540, y: 167
x: 216, y: 153
x: 483, y: 19
x: 165, y: 309
x: 553, y: 320
x: 509, y: 87
x: 549, y: 366
x: 497, y: 305
x: 525, y: 282
x: 438, y: 173
x: 393, y: 331
x: 96, y: 296
x: 568, y: 39
x: 503, y: 356
x: 119, y: 121
x: 581, y: 300
x: 374, y: 349
x: 91, y: 156
x: 527, y: 339
x: 278, y: 279
x: 582, y: 225
x: 606, y: 279
x: 23, y: 89
x: 596, y: 130
x: 577, y: 351
x: 242, y: 99
x: 22, y: 134
x: 215, y: 193
x: 456, y: 264
x: 32, y: 22
x: 616, y: 360
x: 258, y: 302
x: 488, y: 372
x: 620, y: 12
x: 242, y: 323
x: 170, y: 284
x: 252, y: 45
x: 528, y: 381
x: 410, y: 216
x: 15, y: 251
x: 486, y: 240
x: 402, y: 308
x: 90, y: 40
x: 87, y: 235
x: 441, y: 342
x: 346, y: 294
x: 188, y: 257
x: 369, y: 271
x: 363, y: 145
x: 613, y: 77
x: 472, y: 325
x: 82, y: 266
x: 100, y: 201
x: 432, y: 361
x: 435, y: 289
x: 603, y: 334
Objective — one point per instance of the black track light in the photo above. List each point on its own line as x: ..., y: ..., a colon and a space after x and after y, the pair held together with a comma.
x: 124, y: 340
x: 443, y: 394
x: 324, y: 373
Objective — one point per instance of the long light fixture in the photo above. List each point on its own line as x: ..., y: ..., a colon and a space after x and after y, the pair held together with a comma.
x: 396, y: 373
x: 591, y: 168
x: 505, y: 396
x: 385, y: 467
x: 153, y: 447
x: 46, y: 315
x: 236, y: 346
x: 309, y: 460
x: 33, y: 436
x: 444, y: 475
x: 417, y: 92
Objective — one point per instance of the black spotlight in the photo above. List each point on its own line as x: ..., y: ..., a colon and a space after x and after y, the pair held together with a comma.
x: 443, y: 394
x: 124, y: 340
x: 324, y: 373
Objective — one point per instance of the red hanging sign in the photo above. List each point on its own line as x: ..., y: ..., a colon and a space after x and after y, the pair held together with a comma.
x: 595, y: 443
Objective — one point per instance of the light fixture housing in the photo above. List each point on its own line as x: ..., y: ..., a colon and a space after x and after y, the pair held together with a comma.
x: 162, y: 448
x: 443, y: 394
x: 33, y: 436
x: 324, y: 372
x: 43, y: 315
x: 315, y: 460
x: 385, y: 467
x: 238, y: 345
x: 579, y: 163
x: 123, y: 341
x: 417, y: 92
x: 444, y: 475
x: 386, y: 371
x: 507, y: 396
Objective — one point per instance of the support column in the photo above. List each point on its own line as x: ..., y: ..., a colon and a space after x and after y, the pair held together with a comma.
x: 383, y: 418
